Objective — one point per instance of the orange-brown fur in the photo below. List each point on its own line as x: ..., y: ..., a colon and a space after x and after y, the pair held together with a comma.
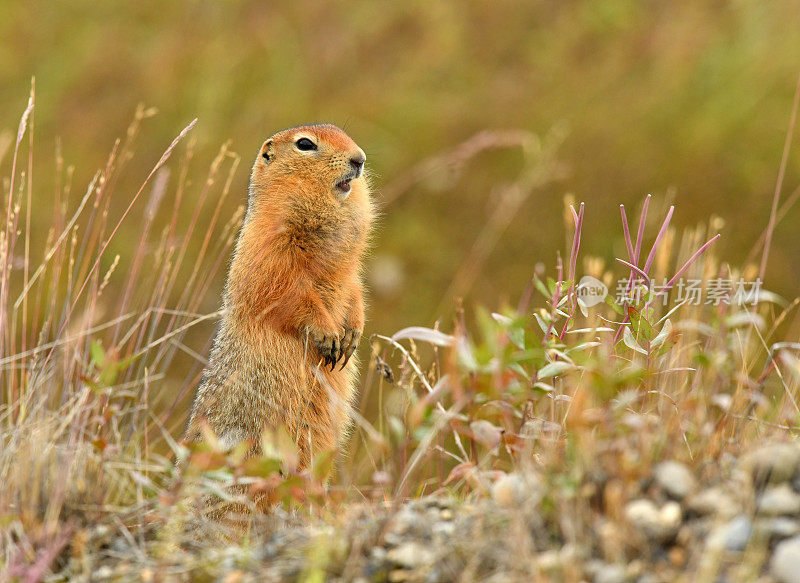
x: 293, y: 296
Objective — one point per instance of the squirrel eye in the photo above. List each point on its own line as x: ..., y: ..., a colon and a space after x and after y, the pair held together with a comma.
x: 305, y: 144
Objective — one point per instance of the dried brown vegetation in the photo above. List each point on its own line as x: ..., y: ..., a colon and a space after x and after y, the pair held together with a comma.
x: 582, y: 401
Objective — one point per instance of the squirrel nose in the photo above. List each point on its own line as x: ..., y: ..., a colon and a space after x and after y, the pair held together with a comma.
x: 357, y: 162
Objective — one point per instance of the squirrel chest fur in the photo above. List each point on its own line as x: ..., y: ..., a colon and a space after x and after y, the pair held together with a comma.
x: 293, y: 305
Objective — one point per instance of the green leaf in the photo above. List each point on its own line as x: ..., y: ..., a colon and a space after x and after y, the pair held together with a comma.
x: 553, y: 369
x: 539, y: 284
x: 641, y: 326
x: 582, y: 346
x: 97, y: 353
x: 515, y: 332
x: 630, y: 341
x: 423, y: 334
x: 542, y: 324
x: 609, y: 299
x: 533, y: 356
x: 262, y: 466
x: 666, y: 330
x: 517, y: 368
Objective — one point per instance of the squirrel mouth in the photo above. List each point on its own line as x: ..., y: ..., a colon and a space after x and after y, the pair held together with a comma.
x: 343, y: 186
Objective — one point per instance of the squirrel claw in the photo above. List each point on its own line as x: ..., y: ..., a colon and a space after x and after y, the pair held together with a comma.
x: 335, y: 348
x: 328, y: 346
x: 350, y: 340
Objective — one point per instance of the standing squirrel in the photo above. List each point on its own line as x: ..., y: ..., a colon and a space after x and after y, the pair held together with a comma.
x: 293, y: 309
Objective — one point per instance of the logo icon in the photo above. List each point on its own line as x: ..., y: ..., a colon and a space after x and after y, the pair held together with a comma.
x: 591, y: 291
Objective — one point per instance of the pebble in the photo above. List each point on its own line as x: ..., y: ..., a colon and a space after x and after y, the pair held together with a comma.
x: 670, y: 517
x: 777, y: 528
x: 611, y: 538
x: 399, y: 575
x: 785, y: 563
x: 378, y: 554
x: 779, y: 501
x: 610, y: 574
x: 643, y: 515
x: 404, y: 520
x: 772, y: 463
x: 713, y: 502
x: 681, y: 520
x: 511, y: 490
x: 732, y: 536
x: 658, y: 524
x: 442, y: 531
x: 548, y: 560
x: 410, y: 555
x: 675, y: 479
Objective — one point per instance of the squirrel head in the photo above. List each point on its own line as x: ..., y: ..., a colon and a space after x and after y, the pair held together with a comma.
x: 311, y: 161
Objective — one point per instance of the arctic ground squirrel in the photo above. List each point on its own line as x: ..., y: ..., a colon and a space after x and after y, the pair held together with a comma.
x: 293, y: 308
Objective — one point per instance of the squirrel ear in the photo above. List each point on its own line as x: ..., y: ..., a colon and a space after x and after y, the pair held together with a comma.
x: 267, y: 150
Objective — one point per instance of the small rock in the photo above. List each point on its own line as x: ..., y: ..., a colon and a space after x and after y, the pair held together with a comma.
x: 670, y: 517
x: 657, y: 524
x: 777, y: 528
x: 643, y: 515
x: 772, y: 463
x: 677, y: 556
x: 570, y: 553
x: 399, y: 575
x: 610, y: 574
x: 410, y: 555
x: 511, y: 490
x: 636, y: 569
x: 785, y: 564
x: 732, y: 536
x: 443, y: 530
x: 101, y: 531
x: 404, y: 520
x: 392, y: 539
x: 779, y: 501
x: 548, y: 560
x: 715, y: 502
x: 697, y: 529
x: 611, y: 538
x: 120, y: 545
x: 675, y: 479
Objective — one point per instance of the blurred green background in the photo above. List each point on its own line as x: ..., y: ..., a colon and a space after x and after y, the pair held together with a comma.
x: 689, y: 99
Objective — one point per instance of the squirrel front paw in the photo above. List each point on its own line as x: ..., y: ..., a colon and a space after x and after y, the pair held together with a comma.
x: 335, y: 347
x: 328, y: 345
